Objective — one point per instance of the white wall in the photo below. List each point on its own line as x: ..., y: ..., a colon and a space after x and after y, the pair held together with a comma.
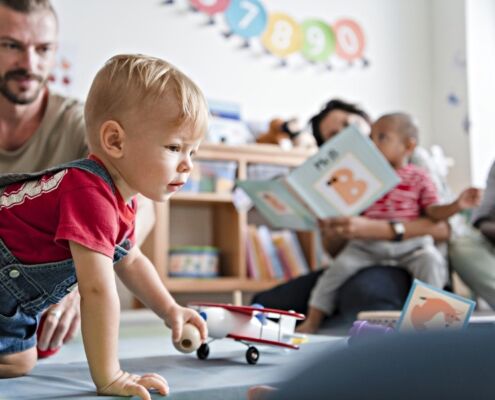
x: 449, y: 79
x: 415, y: 47
x: 397, y: 31
x: 481, y: 67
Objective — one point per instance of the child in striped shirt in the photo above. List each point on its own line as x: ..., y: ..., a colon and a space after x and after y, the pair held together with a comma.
x: 396, y: 136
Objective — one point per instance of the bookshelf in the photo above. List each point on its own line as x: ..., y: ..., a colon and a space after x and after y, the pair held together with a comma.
x: 179, y: 220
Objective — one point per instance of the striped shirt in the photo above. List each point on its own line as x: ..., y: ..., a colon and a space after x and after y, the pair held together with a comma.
x: 408, y: 200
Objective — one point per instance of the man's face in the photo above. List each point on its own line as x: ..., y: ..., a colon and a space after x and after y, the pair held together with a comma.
x: 27, y: 53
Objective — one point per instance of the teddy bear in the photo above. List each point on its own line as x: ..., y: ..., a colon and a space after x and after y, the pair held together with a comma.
x: 287, y: 134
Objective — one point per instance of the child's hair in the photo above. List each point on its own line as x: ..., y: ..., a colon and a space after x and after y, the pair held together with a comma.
x: 28, y: 6
x: 404, y: 124
x: 134, y: 81
x: 333, y: 105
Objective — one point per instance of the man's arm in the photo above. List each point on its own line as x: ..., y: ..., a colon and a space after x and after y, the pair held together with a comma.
x: 140, y: 276
x: 100, y: 315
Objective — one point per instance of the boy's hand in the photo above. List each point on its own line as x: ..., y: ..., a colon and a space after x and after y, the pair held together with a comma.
x: 469, y: 198
x: 126, y: 384
x: 177, y: 316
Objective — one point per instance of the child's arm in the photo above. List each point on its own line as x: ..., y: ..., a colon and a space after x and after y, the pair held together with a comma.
x: 100, y: 314
x: 138, y: 273
x: 469, y: 198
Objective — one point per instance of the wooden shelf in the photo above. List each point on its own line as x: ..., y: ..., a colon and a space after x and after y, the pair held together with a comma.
x: 218, y: 285
x: 202, y: 198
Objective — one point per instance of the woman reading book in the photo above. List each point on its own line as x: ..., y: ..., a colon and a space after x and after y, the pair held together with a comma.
x: 374, y: 288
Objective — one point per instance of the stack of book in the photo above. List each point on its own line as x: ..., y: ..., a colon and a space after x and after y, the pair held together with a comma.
x: 274, y: 254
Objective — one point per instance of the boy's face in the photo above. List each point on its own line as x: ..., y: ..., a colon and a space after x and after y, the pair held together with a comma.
x: 395, y: 147
x: 157, y: 156
x: 28, y: 44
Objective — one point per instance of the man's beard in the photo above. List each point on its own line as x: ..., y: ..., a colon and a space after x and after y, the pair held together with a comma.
x: 15, y: 98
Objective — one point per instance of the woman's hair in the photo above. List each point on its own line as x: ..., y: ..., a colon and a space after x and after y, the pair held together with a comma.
x: 129, y: 83
x: 334, y: 104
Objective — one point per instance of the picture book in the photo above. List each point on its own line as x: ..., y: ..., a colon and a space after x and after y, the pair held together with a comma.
x: 428, y: 308
x: 345, y: 177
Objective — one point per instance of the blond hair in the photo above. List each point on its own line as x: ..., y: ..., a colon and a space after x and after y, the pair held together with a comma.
x: 130, y: 81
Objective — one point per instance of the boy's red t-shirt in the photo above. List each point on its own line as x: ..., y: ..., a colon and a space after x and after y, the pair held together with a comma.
x: 408, y: 200
x: 38, y: 218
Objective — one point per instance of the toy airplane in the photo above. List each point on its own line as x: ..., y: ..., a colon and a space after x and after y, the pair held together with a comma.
x: 249, y: 325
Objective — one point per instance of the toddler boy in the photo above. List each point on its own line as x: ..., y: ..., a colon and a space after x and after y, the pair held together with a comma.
x: 74, y: 224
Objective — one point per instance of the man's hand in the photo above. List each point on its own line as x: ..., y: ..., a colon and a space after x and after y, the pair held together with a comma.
x: 126, y: 384
x: 346, y: 227
x: 177, y: 316
x: 61, y: 323
x: 469, y: 198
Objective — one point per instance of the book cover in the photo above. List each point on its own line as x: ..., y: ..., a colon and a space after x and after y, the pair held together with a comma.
x: 428, y: 308
x: 345, y: 177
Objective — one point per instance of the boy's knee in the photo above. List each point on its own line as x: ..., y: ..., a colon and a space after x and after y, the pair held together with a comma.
x: 19, y: 364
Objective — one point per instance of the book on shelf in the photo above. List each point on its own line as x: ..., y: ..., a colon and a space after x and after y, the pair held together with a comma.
x: 344, y: 177
x: 274, y: 254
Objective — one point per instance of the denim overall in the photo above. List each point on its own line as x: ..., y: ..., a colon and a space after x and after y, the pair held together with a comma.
x: 26, y: 290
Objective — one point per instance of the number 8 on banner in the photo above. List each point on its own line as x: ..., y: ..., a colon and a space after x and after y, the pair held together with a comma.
x: 246, y: 18
x: 283, y: 35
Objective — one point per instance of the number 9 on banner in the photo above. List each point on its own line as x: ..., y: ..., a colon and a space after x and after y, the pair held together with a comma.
x: 246, y: 18
x: 350, y: 40
x: 318, y: 40
x: 283, y: 35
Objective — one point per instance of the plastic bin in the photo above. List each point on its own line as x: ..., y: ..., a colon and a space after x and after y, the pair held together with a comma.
x: 193, y: 262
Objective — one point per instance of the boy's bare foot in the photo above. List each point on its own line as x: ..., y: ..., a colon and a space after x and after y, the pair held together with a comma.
x: 259, y: 392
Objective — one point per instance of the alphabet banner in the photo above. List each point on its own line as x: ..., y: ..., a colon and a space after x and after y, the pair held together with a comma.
x: 339, y: 45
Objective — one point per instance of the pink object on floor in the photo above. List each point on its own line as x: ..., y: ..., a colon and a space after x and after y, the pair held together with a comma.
x: 48, y: 352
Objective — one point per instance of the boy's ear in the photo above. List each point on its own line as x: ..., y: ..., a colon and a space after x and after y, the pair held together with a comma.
x: 112, y: 138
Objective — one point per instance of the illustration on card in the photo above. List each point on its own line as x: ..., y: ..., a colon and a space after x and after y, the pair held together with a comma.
x: 276, y: 204
x: 348, y: 184
x: 430, y: 308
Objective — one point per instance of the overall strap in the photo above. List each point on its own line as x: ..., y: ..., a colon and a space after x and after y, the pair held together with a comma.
x: 84, y: 164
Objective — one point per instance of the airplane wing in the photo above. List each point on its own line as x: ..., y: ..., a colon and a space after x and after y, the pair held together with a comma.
x: 250, y: 339
x: 273, y: 312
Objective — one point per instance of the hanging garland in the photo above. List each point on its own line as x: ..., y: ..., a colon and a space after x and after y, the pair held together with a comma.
x: 339, y: 44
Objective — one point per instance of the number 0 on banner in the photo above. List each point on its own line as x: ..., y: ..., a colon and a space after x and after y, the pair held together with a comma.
x: 350, y: 40
x: 283, y: 35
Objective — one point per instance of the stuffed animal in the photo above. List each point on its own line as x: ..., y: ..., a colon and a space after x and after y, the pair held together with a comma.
x: 287, y: 134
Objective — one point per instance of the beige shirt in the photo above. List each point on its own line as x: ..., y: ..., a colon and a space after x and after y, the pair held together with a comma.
x: 60, y: 138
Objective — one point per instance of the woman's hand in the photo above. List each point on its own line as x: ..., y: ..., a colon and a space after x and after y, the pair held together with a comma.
x: 347, y: 227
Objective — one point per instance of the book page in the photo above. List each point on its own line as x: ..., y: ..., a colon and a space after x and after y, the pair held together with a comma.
x: 345, y: 177
x: 278, y: 205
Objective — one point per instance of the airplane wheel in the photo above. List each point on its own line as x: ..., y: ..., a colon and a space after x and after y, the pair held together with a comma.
x: 252, y: 355
x: 203, y: 351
